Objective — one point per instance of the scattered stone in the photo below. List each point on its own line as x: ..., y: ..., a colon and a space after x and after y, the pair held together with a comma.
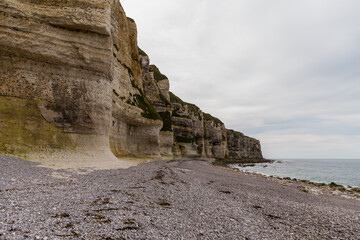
x: 226, y: 192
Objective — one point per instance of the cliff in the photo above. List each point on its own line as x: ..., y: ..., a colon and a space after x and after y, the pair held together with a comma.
x: 74, y: 80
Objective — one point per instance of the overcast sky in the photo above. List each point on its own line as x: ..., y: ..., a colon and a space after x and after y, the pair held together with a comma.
x: 286, y: 72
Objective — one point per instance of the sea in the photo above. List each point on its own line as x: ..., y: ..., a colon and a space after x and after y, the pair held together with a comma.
x: 345, y: 172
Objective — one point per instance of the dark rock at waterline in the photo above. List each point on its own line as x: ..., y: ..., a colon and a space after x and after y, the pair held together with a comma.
x: 246, y: 162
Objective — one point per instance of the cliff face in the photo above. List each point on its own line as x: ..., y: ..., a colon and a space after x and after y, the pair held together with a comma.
x: 55, y: 66
x: 199, y: 134
x: 73, y: 79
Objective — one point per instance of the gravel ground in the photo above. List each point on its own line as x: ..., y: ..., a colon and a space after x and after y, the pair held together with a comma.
x: 178, y: 199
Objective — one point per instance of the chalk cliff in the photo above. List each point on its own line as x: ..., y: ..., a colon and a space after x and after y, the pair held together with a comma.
x: 74, y: 80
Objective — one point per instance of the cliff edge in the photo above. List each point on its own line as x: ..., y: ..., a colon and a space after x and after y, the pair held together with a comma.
x: 73, y: 81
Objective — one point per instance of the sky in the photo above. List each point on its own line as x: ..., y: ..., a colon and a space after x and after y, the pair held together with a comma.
x: 286, y: 72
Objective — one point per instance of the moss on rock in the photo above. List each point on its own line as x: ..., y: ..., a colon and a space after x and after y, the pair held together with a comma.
x: 181, y: 139
x: 143, y: 103
x: 164, y: 100
x: 157, y: 74
x: 141, y: 52
x: 167, y: 122
x: 208, y: 117
x: 175, y: 99
x: 24, y: 130
x: 148, y: 109
x: 192, y: 107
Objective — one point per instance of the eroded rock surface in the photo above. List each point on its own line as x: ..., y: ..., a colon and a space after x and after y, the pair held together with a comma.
x: 72, y: 77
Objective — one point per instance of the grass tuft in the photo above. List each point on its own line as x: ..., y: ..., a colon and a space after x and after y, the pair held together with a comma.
x: 158, y: 76
x: 208, y: 117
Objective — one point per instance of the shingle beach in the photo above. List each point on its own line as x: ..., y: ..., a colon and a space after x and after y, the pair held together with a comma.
x: 176, y: 199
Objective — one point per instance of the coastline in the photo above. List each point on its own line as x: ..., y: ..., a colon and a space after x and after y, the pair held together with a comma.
x: 174, y: 199
x: 309, y: 186
x: 313, y: 171
x: 332, y: 186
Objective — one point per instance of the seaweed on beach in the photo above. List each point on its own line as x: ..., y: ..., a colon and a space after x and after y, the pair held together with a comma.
x: 337, y: 186
x: 227, y: 162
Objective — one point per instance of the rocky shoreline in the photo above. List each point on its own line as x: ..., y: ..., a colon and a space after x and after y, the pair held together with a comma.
x: 243, y: 161
x: 332, y: 186
x: 176, y: 199
x: 308, y: 186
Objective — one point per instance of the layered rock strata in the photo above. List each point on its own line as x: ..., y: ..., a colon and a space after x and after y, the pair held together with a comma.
x: 73, y: 79
x: 199, y: 134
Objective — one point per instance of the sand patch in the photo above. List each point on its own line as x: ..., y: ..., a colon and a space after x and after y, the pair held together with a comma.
x: 83, y: 162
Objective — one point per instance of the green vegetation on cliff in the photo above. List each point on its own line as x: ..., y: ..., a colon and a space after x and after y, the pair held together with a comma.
x: 235, y: 135
x: 143, y: 103
x: 141, y: 52
x: 167, y: 122
x: 148, y: 109
x: 157, y: 74
x: 195, y: 109
x: 208, y: 117
x: 175, y: 99
x: 24, y: 130
x: 164, y: 100
x: 192, y: 107
x: 181, y: 139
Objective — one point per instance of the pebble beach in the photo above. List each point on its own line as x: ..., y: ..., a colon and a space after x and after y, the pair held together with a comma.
x: 173, y: 199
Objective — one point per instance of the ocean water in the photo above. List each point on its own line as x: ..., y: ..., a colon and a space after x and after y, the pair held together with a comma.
x: 341, y: 171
